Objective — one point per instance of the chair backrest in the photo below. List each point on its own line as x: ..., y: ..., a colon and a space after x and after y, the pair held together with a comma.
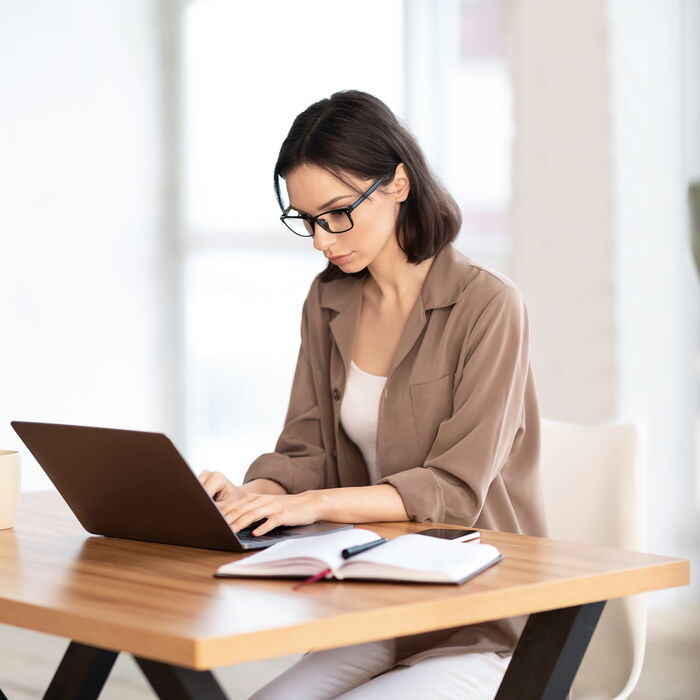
x: 594, y: 492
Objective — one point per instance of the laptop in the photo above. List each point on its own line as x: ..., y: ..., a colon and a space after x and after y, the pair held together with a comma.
x: 136, y: 485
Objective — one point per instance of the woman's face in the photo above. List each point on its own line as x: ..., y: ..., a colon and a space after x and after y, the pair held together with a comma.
x: 313, y: 190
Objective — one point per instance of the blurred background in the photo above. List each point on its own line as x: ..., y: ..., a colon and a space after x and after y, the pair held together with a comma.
x: 147, y: 282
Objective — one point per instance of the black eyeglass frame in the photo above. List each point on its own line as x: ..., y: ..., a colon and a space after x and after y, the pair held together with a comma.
x: 313, y: 219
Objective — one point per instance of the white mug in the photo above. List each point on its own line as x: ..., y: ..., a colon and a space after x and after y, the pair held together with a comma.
x: 9, y: 487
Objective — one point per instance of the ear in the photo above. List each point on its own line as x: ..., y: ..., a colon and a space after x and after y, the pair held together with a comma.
x: 402, y: 184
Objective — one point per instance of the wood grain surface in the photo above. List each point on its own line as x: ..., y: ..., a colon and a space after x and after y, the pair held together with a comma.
x: 162, y: 601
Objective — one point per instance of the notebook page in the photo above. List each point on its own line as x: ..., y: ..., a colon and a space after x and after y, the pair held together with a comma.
x: 423, y: 554
x: 324, y: 548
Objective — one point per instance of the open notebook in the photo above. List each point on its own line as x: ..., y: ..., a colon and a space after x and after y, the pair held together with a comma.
x: 404, y: 558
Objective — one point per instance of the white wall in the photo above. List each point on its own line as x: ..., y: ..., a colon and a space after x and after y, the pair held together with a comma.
x: 656, y: 294
x: 561, y: 220
x: 80, y: 216
x: 600, y: 232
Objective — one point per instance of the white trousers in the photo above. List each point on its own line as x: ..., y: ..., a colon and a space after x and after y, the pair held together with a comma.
x: 346, y: 672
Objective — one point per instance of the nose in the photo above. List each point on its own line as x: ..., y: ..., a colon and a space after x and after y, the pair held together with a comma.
x: 323, y: 239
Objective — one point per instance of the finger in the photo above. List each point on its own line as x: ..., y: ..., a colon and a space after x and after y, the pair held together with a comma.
x: 215, y: 483
x: 249, y: 513
x: 205, y: 477
x: 233, y: 512
x: 270, y: 524
x: 251, y: 516
x: 232, y: 509
x: 235, y: 507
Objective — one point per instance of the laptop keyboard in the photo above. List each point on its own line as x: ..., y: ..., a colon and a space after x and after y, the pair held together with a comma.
x: 273, y: 535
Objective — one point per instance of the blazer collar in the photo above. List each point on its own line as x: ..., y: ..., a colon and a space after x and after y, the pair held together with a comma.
x: 442, y: 286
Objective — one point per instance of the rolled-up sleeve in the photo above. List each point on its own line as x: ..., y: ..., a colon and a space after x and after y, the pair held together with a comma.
x: 473, y: 444
x: 298, y: 462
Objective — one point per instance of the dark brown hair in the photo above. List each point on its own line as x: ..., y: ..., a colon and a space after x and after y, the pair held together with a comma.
x: 357, y: 133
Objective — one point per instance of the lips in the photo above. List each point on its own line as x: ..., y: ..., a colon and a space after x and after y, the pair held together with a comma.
x: 338, y: 258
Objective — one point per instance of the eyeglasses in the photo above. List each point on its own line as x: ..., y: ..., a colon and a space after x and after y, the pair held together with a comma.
x: 333, y: 221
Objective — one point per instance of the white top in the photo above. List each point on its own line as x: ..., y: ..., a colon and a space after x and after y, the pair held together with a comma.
x: 359, y: 412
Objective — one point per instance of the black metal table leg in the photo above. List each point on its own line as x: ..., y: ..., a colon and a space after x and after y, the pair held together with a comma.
x: 84, y: 669
x: 178, y: 683
x: 549, y: 653
x: 81, y: 674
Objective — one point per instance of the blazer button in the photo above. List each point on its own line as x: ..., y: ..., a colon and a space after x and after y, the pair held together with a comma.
x: 336, y: 394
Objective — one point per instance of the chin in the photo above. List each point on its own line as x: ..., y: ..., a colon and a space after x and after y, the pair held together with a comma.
x: 353, y: 266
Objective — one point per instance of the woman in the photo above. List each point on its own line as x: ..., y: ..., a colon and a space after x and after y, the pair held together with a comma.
x: 412, y: 397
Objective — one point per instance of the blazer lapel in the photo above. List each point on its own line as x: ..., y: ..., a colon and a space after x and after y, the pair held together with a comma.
x: 411, y: 332
x: 344, y: 296
x: 344, y: 326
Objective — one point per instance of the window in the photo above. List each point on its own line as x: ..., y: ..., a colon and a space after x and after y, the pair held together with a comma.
x: 459, y: 104
x: 245, y: 276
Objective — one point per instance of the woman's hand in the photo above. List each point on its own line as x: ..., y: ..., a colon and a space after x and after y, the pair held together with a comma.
x: 264, y: 499
x: 290, y: 509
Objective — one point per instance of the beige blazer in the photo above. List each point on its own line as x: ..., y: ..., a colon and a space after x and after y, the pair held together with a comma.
x: 458, y: 431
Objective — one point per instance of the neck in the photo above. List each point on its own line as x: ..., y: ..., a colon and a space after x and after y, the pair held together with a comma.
x: 393, y: 280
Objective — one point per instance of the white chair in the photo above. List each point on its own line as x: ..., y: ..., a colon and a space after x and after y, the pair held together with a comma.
x: 594, y: 491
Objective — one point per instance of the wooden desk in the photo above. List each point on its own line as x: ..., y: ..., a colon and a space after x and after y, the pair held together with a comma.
x: 162, y: 604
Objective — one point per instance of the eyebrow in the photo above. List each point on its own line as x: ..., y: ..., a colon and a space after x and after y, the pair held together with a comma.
x: 323, y: 206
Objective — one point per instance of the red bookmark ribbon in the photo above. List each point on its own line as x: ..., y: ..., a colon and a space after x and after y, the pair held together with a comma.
x: 312, y: 579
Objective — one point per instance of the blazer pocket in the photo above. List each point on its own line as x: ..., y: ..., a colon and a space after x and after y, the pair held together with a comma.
x: 431, y: 403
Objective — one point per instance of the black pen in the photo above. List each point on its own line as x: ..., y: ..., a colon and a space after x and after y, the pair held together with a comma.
x: 358, y: 548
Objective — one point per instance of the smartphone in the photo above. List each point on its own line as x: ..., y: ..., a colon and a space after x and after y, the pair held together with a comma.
x: 448, y: 534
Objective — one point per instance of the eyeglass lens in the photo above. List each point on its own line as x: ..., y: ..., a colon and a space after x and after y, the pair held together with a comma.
x: 334, y: 221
